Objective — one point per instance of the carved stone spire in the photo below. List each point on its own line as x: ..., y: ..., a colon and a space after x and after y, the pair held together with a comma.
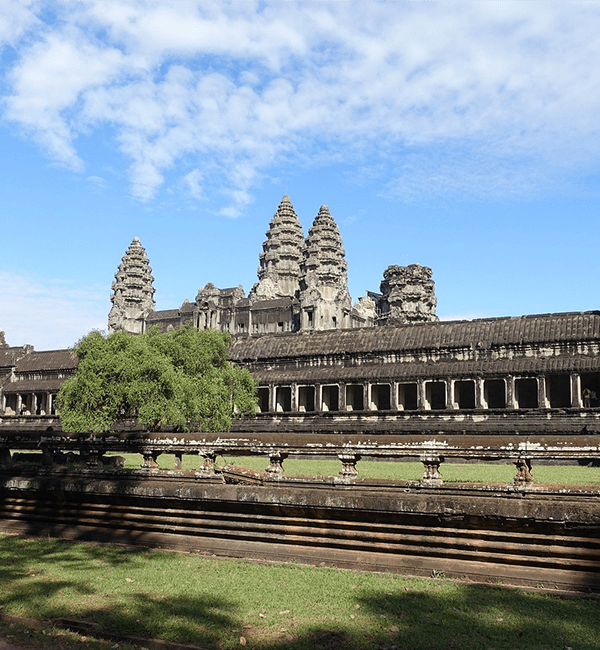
x: 325, y: 301
x: 133, y: 292
x: 279, y: 270
x: 408, y: 295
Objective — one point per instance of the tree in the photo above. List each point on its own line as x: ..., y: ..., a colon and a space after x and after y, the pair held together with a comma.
x: 181, y: 378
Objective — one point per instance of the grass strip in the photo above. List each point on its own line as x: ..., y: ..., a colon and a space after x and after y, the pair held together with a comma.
x: 226, y: 604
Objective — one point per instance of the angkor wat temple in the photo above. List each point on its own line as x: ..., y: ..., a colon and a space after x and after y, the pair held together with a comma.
x: 314, y: 352
x: 302, y: 286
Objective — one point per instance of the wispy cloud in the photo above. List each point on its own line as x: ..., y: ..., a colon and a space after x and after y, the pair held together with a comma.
x: 228, y: 90
x: 66, y: 311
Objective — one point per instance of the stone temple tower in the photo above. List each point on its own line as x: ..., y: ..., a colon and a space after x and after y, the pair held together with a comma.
x: 407, y: 295
x: 324, y: 299
x: 279, y: 270
x: 133, y: 292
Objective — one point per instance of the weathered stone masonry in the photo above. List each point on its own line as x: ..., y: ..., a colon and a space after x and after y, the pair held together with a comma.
x: 302, y: 286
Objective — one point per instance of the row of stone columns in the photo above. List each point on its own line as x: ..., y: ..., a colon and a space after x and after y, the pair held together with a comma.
x: 423, y: 400
x: 29, y: 402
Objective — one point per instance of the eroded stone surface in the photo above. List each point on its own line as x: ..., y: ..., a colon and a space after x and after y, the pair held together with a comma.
x: 133, y: 292
x: 407, y: 295
x: 302, y: 286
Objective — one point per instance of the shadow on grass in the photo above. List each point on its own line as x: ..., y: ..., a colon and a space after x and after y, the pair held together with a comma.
x: 425, y: 615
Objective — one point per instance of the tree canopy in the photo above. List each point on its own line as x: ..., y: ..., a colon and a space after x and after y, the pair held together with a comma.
x: 181, y: 378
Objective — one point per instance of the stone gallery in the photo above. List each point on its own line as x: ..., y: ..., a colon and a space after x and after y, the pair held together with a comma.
x: 313, y: 351
x: 382, y: 379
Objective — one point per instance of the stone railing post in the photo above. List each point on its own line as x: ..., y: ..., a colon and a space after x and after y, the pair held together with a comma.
x: 275, y: 468
x: 5, y: 456
x: 47, y: 456
x: 208, y: 463
x: 94, y: 459
x: 150, y: 456
x: 524, y: 476
x: 432, y: 474
x: 349, y: 461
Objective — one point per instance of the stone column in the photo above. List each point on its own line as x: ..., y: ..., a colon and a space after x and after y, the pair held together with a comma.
x: 576, y: 391
x: 19, y: 404
x: 272, y: 398
x: 480, y: 402
x: 178, y: 458
x: 511, y: 397
x: 294, y: 398
x: 543, y: 401
x: 432, y: 475
x: 342, y: 396
x: 318, y: 397
x: 450, y: 393
x: 2, y: 402
x: 394, y: 395
x: 422, y: 403
x: 349, y: 461
x: 33, y: 406
x: 368, y: 394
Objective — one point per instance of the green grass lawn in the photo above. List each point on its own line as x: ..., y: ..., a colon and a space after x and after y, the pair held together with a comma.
x: 451, y: 472
x: 227, y: 604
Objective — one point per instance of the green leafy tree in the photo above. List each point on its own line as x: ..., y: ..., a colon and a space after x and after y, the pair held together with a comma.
x: 181, y: 378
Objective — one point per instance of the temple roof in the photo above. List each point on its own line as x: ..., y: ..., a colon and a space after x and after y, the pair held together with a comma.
x: 47, y: 360
x: 481, y: 333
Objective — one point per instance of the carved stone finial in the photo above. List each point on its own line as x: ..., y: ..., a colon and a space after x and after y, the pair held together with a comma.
x: 324, y: 297
x: 133, y: 292
x: 279, y: 270
x: 408, y: 295
x: 3, y: 343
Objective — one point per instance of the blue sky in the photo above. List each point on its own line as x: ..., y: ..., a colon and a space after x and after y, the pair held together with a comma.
x: 459, y: 135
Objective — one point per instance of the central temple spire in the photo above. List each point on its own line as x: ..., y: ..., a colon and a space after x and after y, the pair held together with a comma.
x: 279, y: 270
x: 324, y: 293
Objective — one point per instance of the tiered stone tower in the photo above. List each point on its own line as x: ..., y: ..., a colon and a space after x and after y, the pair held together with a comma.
x: 279, y: 270
x: 302, y: 286
x: 407, y: 295
x: 133, y: 292
x: 324, y: 298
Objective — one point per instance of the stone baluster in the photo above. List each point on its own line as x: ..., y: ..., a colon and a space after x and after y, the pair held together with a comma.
x: 208, y: 463
x: 94, y: 459
x: 349, y: 461
x: 178, y: 457
x: 150, y: 456
x: 5, y: 456
x: 524, y: 476
x: 432, y: 474
x: 275, y: 468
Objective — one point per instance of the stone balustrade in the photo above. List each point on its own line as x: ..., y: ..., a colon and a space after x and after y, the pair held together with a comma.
x: 479, y: 441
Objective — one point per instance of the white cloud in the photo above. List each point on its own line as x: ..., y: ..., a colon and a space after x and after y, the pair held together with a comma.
x: 66, y: 311
x: 232, y: 89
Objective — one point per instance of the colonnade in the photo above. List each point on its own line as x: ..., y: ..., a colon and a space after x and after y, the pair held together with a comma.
x: 28, y: 403
x: 508, y: 392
